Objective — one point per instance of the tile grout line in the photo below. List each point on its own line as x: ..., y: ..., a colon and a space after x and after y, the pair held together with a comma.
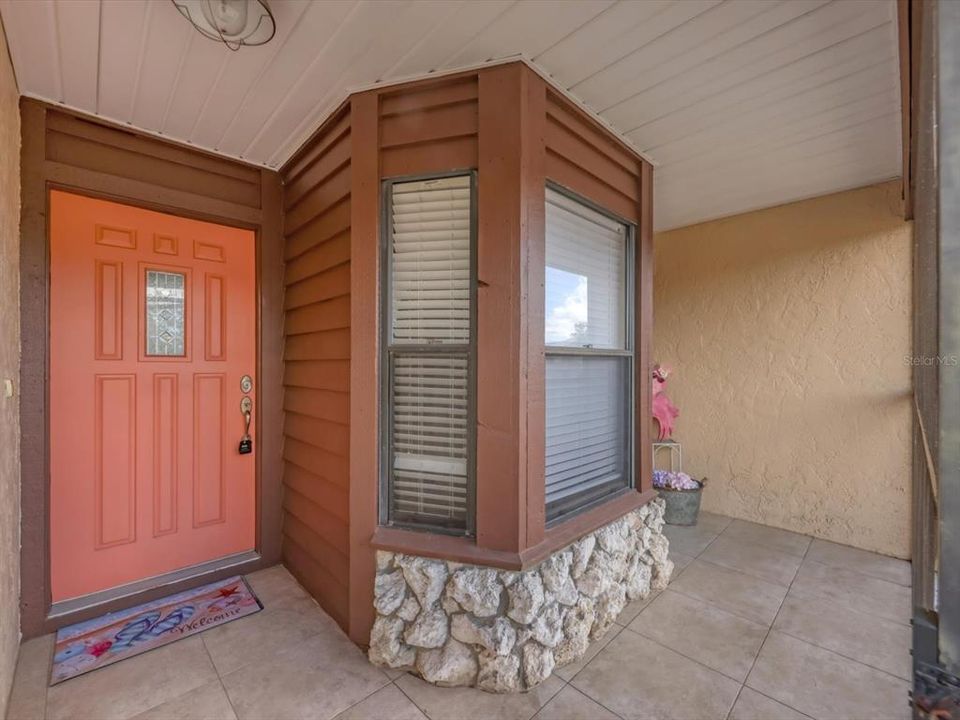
x: 693, y: 660
x: 569, y: 683
x: 394, y: 683
x: 578, y: 690
x: 216, y: 670
x: 749, y: 574
x: 714, y: 605
x: 779, y: 702
x: 616, y: 635
x: 766, y: 637
x: 349, y: 707
x: 860, y: 574
x: 46, y: 688
x: 835, y: 652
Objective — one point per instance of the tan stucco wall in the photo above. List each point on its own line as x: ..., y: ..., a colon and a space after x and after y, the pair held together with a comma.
x: 789, y: 330
x: 9, y: 368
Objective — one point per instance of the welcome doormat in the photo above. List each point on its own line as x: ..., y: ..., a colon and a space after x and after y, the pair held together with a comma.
x: 118, y: 635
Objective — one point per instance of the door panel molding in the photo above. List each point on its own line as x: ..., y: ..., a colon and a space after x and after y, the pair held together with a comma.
x: 115, y: 459
x: 166, y: 475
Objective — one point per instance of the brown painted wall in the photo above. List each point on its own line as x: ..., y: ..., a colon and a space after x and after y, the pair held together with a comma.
x: 9, y: 370
x: 789, y: 331
x: 316, y: 545
x: 587, y: 160
x: 507, y: 124
x: 62, y: 150
x: 430, y: 129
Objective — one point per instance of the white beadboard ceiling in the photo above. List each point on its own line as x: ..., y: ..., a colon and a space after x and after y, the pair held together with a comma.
x: 741, y: 104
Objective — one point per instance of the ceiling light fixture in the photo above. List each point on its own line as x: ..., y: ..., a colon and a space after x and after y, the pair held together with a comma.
x: 232, y: 22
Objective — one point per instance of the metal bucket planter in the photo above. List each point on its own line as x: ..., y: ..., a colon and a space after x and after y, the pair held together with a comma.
x: 682, y: 506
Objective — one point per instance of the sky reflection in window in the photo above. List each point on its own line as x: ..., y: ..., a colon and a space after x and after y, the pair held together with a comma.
x: 566, y: 307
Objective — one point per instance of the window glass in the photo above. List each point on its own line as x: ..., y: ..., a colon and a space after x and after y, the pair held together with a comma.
x: 165, y: 313
x: 589, y: 362
x: 429, y: 307
x: 585, y: 276
x: 430, y: 261
x: 429, y: 438
x: 587, y: 421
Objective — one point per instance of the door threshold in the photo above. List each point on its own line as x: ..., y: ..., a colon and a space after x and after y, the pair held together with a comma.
x: 178, y: 578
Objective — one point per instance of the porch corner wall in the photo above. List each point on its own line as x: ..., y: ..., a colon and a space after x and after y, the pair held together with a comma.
x: 789, y: 330
x: 317, y: 366
x: 9, y: 369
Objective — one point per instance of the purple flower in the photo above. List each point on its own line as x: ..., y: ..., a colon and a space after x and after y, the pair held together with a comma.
x: 669, y: 480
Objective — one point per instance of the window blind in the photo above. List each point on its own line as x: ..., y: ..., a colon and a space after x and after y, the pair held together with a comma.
x: 430, y: 438
x: 586, y: 425
x: 429, y: 344
x: 431, y: 261
x: 589, y: 361
x: 586, y: 275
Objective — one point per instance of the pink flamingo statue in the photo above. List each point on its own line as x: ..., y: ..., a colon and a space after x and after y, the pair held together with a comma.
x: 664, y: 411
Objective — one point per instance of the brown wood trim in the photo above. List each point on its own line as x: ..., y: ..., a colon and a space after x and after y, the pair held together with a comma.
x: 203, y: 157
x: 364, y: 360
x: 603, y: 139
x: 38, y: 176
x: 501, y: 490
x: 579, y: 525
x: 461, y: 549
x: 144, y: 193
x: 270, y: 370
x: 533, y: 183
x: 81, y: 126
x: 643, y: 330
x: 444, y: 547
x: 34, y: 467
x: 460, y: 90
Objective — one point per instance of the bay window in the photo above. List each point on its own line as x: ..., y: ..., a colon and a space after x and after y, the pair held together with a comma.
x: 428, y: 362
x: 589, y: 355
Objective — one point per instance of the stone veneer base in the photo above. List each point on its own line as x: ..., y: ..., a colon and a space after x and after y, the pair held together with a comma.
x: 503, y: 631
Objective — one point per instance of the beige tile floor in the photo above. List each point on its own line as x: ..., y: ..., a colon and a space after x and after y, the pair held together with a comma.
x: 757, y: 624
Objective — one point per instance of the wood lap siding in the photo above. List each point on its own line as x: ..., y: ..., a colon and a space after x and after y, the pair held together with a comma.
x: 73, y: 142
x: 317, y: 366
x: 583, y: 158
x: 432, y: 129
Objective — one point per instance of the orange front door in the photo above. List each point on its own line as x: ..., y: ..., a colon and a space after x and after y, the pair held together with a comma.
x: 152, y: 327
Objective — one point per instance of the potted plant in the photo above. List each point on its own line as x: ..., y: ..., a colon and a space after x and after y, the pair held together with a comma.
x: 679, y: 491
x: 681, y: 494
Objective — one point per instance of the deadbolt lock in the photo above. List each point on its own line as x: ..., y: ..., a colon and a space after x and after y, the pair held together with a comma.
x: 246, y: 384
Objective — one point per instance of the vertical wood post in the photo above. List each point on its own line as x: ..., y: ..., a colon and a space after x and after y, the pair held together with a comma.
x: 270, y: 380
x: 364, y: 375
x: 510, y: 309
x: 34, y: 469
x: 643, y: 329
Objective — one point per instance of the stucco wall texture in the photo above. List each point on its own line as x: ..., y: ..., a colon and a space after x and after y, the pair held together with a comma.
x: 789, y: 333
x: 9, y: 369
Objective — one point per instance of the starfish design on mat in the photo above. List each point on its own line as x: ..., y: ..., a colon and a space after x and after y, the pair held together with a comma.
x: 227, y: 592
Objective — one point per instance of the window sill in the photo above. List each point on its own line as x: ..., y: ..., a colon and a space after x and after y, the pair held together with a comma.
x: 462, y: 549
